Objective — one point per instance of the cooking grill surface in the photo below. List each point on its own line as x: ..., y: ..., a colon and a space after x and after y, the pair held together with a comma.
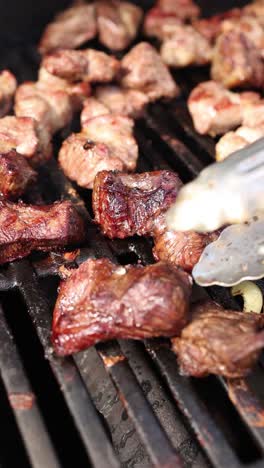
x: 118, y: 403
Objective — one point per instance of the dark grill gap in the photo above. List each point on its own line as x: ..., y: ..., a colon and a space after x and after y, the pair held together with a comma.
x: 143, y: 390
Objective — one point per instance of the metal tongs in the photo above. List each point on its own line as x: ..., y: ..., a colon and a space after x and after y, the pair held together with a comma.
x: 224, y: 194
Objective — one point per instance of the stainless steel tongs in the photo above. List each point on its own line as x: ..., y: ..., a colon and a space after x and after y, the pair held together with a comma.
x: 226, y: 193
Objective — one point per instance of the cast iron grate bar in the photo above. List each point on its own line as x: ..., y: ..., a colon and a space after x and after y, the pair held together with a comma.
x: 81, y: 406
x: 23, y: 402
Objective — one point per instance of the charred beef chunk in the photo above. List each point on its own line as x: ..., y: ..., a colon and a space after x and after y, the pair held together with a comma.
x: 101, y: 301
x: 8, y: 86
x: 125, y: 205
x: 15, y: 175
x: 24, y: 228
x: 218, y: 341
x: 142, y: 69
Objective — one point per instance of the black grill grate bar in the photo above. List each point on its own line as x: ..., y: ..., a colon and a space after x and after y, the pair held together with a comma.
x: 23, y: 402
x: 208, y: 434
x: 81, y: 406
x: 146, y: 423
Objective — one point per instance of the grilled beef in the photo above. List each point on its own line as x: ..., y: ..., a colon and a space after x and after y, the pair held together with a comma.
x: 24, y: 228
x: 128, y: 102
x: 143, y: 69
x: 118, y: 23
x: 218, y: 341
x: 69, y: 29
x: 85, y: 65
x: 8, y: 86
x: 101, y: 301
x: 105, y: 143
x: 211, y: 27
x: 125, y: 205
x: 159, y: 24
x: 215, y: 110
x: 16, y: 175
x: 184, y: 9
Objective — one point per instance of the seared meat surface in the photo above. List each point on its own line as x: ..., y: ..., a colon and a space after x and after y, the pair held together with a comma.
x: 128, y: 102
x: 24, y: 228
x: 211, y: 27
x: 159, y: 24
x: 105, y: 143
x: 8, y: 86
x: 23, y: 135
x: 118, y: 23
x: 182, y: 249
x: 215, y: 110
x: 218, y: 341
x: 115, y: 22
x: 70, y: 29
x: 85, y: 65
x: 237, y: 61
x: 16, y: 175
x: 255, y: 9
x: 143, y: 69
x: 184, y: 9
x: 125, y: 205
x: 185, y: 46
x: 102, y: 301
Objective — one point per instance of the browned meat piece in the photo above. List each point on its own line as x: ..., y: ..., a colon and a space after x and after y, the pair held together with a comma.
x: 101, y: 301
x: 118, y: 23
x: 92, y: 108
x: 184, y: 9
x: 182, y: 249
x: 143, y: 69
x: 216, y: 110
x: 255, y: 9
x: 237, y: 62
x: 70, y: 29
x: 128, y: 102
x: 8, y: 86
x: 86, y: 65
x: 159, y: 24
x: 16, y: 175
x: 234, y: 141
x: 253, y: 114
x: 23, y: 135
x: 24, y: 228
x: 186, y: 47
x: 105, y: 143
x: 211, y: 27
x: 125, y: 205
x: 218, y: 341
x: 249, y: 27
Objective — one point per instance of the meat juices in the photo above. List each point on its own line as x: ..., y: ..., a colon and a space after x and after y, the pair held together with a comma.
x: 16, y: 175
x: 215, y: 110
x: 99, y: 302
x: 143, y: 69
x: 125, y: 205
x: 24, y: 228
x: 218, y: 341
x: 8, y: 86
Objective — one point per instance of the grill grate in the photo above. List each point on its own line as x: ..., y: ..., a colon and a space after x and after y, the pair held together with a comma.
x: 161, y: 413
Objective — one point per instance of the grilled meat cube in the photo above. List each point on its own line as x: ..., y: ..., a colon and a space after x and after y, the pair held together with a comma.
x: 16, y: 175
x: 24, y: 228
x: 216, y: 110
x: 24, y: 135
x: 101, y: 301
x: 253, y: 114
x: 218, y: 341
x: 8, y: 86
x: 85, y: 65
x: 105, y: 143
x: 234, y: 141
x: 237, y: 61
x: 128, y: 102
x: 92, y: 108
x: 186, y: 47
x: 125, y: 205
x: 182, y: 249
x: 184, y: 9
x: 159, y: 24
x: 143, y: 69
x: 118, y: 23
x: 70, y: 29
x: 211, y: 27
x: 249, y: 27
x: 255, y: 9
